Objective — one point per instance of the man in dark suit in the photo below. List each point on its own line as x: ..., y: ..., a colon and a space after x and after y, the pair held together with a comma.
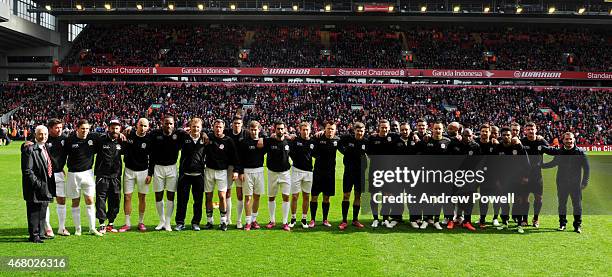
x: 38, y: 182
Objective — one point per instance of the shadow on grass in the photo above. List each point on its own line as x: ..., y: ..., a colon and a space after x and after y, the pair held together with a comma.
x: 19, y: 235
x: 13, y: 232
x: 14, y: 235
x: 405, y: 228
x: 399, y: 229
x: 14, y: 239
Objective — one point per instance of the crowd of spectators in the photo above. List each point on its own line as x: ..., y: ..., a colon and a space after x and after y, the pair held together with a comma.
x: 274, y: 46
x: 198, y: 45
x: 360, y: 46
x: 363, y: 46
x: 513, y: 48
x: 151, y: 45
x: 586, y: 113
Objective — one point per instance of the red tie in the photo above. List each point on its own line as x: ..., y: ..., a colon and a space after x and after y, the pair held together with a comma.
x: 49, y: 166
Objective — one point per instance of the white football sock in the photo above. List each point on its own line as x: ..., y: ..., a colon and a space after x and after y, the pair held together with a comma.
x: 91, y: 216
x: 239, y: 208
x: 127, y: 220
x: 285, y: 207
x: 249, y: 220
x: 61, y: 215
x: 47, y: 216
x: 254, y: 217
x: 304, y: 216
x: 76, y: 217
x: 160, y: 210
x: 169, y: 210
x: 272, y: 210
x: 228, y: 208
x: 141, y: 218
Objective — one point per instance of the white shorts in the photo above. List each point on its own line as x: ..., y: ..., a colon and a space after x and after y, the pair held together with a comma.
x: 80, y: 182
x: 60, y: 184
x: 253, y: 181
x: 279, y: 179
x: 301, y: 181
x: 164, y: 178
x: 215, y: 177
x: 230, y: 172
x: 131, y: 178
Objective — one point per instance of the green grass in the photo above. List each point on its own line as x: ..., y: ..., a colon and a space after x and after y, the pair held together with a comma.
x: 319, y: 251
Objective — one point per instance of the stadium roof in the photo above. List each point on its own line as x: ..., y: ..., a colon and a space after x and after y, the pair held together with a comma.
x: 10, y: 40
x: 542, y: 7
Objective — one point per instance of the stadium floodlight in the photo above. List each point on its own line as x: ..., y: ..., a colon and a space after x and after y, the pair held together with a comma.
x: 48, y: 7
x: 79, y: 7
x: 423, y: 8
x: 233, y: 7
x: 171, y: 6
x: 264, y: 7
x: 551, y: 10
x: 360, y: 8
x: 139, y: 7
x: 456, y: 9
x: 201, y: 7
x: 610, y: 11
x: 295, y: 8
x: 581, y: 10
x: 328, y: 8
x: 519, y: 10
x: 108, y: 6
x: 391, y: 8
x: 487, y: 10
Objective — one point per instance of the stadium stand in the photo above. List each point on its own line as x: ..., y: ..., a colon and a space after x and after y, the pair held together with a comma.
x: 585, y: 112
x: 438, y: 47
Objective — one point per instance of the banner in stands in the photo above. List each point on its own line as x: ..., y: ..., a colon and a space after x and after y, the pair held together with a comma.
x: 377, y: 8
x: 587, y: 147
x: 231, y: 84
x: 509, y: 74
x: 344, y: 72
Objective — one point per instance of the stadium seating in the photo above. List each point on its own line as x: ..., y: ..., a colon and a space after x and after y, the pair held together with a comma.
x: 587, y: 113
x: 433, y: 47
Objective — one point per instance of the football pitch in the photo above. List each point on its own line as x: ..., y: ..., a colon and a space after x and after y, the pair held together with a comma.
x: 319, y: 251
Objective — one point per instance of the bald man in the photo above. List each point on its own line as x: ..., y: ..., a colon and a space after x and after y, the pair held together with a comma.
x: 573, y: 174
x: 136, y: 160
x: 453, y: 132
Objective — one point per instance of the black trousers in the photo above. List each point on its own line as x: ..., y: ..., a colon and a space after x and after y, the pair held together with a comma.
x: 36, y: 218
x: 417, y: 210
x: 466, y: 207
x: 434, y: 209
x: 397, y: 209
x: 486, y: 189
x: 520, y: 209
x: 575, y: 193
x: 392, y: 211
x: 196, y: 185
x: 507, y: 187
x: 449, y: 208
x: 107, y: 190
